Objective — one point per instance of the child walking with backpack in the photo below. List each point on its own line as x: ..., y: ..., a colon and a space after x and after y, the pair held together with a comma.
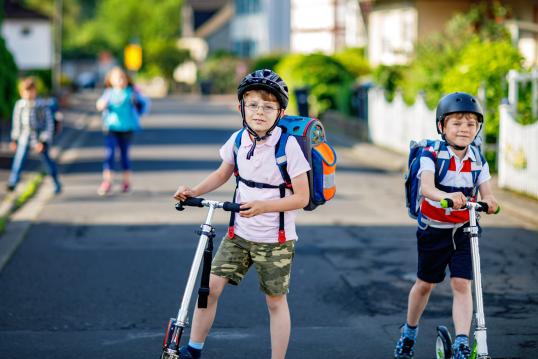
x: 452, y: 168
x: 33, y: 128
x: 121, y: 106
x: 263, y: 233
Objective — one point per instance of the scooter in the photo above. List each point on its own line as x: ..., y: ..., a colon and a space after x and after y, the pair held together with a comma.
x: 204, y: 251
x: 443, y: 344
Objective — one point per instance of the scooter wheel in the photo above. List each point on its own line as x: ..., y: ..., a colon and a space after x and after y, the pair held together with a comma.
x: 443, y: 344
x: 166, y: 355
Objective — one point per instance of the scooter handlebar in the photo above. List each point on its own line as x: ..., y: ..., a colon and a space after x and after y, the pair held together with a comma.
x: 201, y: 202
x: 448, y: 203
x: 231, y: 207
x: 191, y: 202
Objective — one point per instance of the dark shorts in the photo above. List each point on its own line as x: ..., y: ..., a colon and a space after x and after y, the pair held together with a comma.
x: 436, y: 251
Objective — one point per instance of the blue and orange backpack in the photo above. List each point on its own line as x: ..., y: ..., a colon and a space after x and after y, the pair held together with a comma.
x: 310, y: 134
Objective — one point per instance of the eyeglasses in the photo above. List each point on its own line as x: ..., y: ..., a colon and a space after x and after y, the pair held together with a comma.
x: 267, y: 109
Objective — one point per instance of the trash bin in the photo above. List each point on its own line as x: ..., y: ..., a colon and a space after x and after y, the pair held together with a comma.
x: 301, y: 94
x: 360, y: 101
x: 206, y: 87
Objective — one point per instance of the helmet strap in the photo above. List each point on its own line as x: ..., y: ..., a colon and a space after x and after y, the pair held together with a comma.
x: 255, y: 136
x: 459, y: 148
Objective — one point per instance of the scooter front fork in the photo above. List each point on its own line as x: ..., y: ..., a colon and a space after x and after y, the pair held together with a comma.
x: 480, y: 347
x: 171, y: 340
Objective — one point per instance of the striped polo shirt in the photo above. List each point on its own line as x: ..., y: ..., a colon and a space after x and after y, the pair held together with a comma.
x: 459, y: 178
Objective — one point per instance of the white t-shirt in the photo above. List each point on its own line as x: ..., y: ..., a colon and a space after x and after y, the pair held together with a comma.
x: 262, y: 168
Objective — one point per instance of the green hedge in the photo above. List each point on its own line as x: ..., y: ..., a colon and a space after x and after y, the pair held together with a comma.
x: 328, y: 81
x: 221, y: 72
x: 269, y: 61
x: 8, y: 82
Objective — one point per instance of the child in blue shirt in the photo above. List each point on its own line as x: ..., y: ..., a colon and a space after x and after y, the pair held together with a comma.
x: 122, y: 106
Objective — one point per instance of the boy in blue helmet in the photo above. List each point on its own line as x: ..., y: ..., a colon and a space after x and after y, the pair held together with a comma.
x: 263, y: 233
x: 441, y: 241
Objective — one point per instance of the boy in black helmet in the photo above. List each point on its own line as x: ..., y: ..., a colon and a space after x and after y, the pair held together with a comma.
x: 440, y: 237
x: 263, y: 233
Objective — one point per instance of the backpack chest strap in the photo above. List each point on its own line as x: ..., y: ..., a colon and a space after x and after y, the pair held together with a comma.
x: 254, y: 184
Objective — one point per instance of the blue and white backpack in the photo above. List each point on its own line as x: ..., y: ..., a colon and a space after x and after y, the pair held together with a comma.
x: 413, y: 198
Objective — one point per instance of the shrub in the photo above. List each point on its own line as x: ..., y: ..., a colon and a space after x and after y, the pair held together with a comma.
x: 328, y: 81
x: 8, y: 81
x: 223, y: 72
x: 266, y: 62
x: 162, y: 58
x: 389, y: 78
x: 354, y: 60
x: 487, y: 63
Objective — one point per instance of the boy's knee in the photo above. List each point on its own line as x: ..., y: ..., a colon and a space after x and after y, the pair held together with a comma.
x: 424, y: 288
x: 216, y: 286
x: 275, y: 302
x: 460, y: 285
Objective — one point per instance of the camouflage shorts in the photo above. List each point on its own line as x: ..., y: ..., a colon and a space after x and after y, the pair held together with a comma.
x: 272, y: 261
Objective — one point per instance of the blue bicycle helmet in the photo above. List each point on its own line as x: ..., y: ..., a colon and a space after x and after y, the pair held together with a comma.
x: 457, y: 102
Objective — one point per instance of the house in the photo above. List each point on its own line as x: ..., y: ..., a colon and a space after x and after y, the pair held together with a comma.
x: 206, y: 26
x: 260, y: 27
x: 326, y: 25
x: 394, y: 26
x: 28, y: 36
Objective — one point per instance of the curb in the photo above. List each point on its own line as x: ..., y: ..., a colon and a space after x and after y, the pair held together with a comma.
x: 17, y: 219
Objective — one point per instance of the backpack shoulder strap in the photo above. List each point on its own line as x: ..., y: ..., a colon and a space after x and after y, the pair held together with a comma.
x: 442, y: 160
x: 477, y: 166
x: 237, y: 144
x: 281, y: 158
x: 477, y: 155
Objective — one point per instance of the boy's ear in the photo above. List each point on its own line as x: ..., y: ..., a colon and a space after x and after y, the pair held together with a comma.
x: 239, y: 108
x: 440, y: 125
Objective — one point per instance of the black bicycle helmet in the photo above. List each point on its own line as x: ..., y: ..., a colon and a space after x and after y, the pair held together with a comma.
x: 457, y: 102
x: 265, y: 80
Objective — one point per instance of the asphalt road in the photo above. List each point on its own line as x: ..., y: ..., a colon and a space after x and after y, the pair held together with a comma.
x: 99, y: 277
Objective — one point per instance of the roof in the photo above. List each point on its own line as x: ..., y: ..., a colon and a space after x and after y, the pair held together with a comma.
x: 14, y: 10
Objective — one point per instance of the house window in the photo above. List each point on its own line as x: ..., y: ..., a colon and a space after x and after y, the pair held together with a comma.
x: 243, y: 7
x: 26, y: 31
x: 245, y: 48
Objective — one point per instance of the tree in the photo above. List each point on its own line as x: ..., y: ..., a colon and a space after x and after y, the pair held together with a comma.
x: 8, y: 77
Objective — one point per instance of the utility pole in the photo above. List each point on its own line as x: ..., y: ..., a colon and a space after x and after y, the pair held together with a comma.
x: 57, y: 66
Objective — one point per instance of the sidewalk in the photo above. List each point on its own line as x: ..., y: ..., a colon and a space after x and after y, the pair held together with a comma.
x: 374, y: 156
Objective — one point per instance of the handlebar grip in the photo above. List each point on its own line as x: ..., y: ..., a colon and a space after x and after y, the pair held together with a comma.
x: 447, y: 203
x: 191, y: 202
x: 231, y: 207
x: 484, y: 207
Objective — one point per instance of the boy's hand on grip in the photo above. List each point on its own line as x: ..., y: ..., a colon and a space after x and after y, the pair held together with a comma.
x: 458, y: 198
x: 493, y: 206
x: 251, y: 209
x: 183, y: 193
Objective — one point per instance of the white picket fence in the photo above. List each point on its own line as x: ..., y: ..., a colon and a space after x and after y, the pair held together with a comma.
x: 394, y: 124
x: 518, y: 154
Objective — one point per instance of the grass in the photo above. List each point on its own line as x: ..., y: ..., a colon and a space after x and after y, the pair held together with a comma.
x: 28, y: 192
